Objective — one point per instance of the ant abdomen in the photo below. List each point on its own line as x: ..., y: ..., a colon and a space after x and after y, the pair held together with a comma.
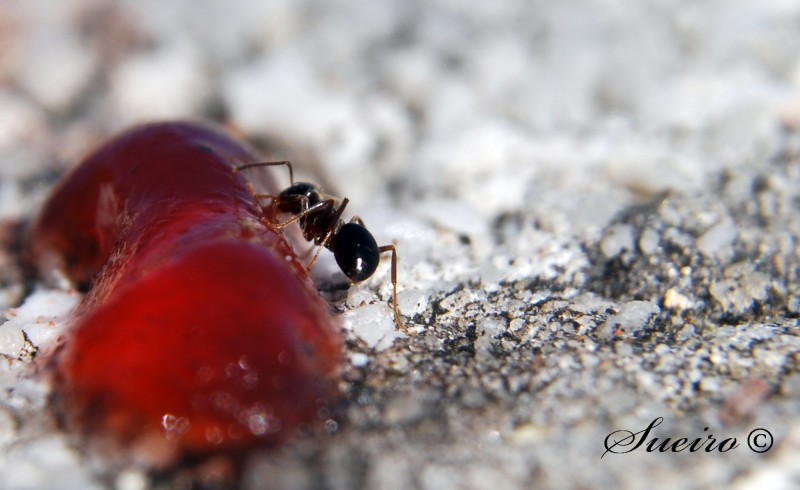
x: 356, y: 251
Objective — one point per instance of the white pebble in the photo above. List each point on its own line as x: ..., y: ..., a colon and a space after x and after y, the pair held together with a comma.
x: 675, y: 300
x: 374, y: 324
x: 649, y: 241
x: 618, y: 238
x: 716, y: 238
x: 39, y: 318
x: 11, y: 339
x: 632, y: 317
x: 358, y: 359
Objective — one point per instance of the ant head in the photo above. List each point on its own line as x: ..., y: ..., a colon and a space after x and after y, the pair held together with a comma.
x: 310, y: 191
x: 356, y: 251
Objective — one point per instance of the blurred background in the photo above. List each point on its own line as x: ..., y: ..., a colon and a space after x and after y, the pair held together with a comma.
x: 437, y: 98
x: 497, y: 143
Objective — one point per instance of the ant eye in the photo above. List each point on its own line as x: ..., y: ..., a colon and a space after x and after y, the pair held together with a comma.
x: 356, y: 251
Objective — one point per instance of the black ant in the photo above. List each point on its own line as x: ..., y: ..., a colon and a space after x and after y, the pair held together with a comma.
x: 320, y: 218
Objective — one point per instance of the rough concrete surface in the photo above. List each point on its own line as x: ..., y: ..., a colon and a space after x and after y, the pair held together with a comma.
x: 595, y: 206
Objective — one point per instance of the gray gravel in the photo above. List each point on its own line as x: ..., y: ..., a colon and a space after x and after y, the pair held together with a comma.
x: 595, y: 206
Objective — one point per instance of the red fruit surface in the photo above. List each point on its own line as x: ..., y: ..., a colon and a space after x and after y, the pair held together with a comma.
x: 201, y: 330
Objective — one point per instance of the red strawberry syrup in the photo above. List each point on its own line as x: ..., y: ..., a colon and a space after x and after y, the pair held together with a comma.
x: 201, y: 333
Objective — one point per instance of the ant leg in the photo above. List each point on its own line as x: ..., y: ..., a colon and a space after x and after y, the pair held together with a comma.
x: 239, y: 168
x: 357, y: 220
x: 338, y: 216
x: 274, y: 211
x: 319, y: 249
x: 306, y: 210
x: 386, y: 248
x: 397, y: 318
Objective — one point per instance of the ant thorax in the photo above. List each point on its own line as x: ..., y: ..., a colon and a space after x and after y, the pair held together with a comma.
x: 318, y: 211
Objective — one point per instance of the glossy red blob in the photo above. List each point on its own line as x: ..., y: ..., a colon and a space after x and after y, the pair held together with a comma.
x: 201, y: 331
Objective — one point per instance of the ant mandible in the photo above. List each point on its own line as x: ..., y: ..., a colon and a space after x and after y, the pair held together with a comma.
x: 320, y: 219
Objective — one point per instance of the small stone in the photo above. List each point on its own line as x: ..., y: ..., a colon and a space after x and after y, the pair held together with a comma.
x: 516, y: 325
x: 623, y: 348
x: 677, y: 301
x: 618, y: 238
x: 12, y: 339
x: 649, y: 241
x: 374, y: 324
x: 662, y: 349
x: 740, y: 288
x: 492, y: 326
x: 358, y: 359
x: 717, y: 238
x: 131, y: 480
x: 709, y: 384
x: 632, y: 317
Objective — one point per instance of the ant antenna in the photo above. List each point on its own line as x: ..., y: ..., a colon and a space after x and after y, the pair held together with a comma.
x: 239, y: 168
x: 320, y: 219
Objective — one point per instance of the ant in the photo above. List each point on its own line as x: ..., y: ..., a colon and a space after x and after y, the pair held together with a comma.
x: 320, y: 219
